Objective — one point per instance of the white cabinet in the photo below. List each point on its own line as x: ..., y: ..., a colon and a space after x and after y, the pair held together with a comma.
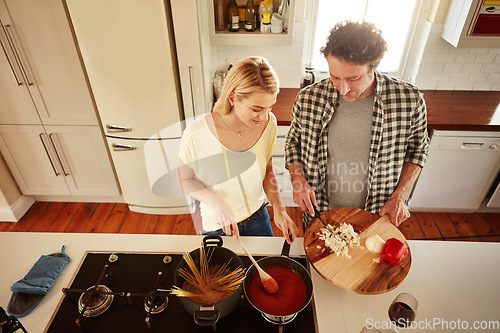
x: 460, y: 169
x: 50, y: 134
x: 194, y: 58
x: 63, y: 160
x: 460, y: 21
x: 40, y: 65
x: 243, y: 37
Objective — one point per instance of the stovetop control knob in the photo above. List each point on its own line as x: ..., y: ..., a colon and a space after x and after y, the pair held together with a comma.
x: 113, y: 258
x: 167, y: 259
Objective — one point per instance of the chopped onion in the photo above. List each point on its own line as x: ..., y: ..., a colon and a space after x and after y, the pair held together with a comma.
x: 374, y: 243
x: 339, y: 239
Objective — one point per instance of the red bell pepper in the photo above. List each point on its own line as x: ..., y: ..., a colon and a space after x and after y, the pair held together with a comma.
x: 394, y: 251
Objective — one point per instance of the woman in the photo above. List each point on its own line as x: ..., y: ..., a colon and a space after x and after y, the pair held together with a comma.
x: 225, y: 156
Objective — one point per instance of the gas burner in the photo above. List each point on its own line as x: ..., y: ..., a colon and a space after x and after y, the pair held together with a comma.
x: 158, y: 302
x: 95, y: 300
x: 279, y: 320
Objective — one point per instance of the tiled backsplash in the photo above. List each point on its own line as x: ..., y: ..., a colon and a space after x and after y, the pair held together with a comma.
x: 445, y: 67
x: 286, y: 60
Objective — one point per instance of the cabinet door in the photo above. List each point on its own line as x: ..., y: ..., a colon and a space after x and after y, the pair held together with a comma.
x: 32, y: 160
x: 139, y: 164
x: 82, y: 154
x: 126, y: 47
x: 41, y: 37
x: 193, y: 57
x: 16, y: 106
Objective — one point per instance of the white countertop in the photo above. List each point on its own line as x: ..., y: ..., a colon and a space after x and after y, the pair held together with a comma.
x: 457, y: 282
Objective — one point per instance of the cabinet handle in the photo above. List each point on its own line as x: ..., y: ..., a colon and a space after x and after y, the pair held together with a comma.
x: 190, y: 68
x: 118, y: 128
x: 10, y: 39
x: 19, y: 83
x: 58, y: 150
x: 122, y: 147
x: 57, y: 173
x: 472, y: 144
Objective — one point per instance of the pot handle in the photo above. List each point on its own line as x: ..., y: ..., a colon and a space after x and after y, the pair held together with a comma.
x: 285, y: 250
x: 206, y: 318
x: 212, y: 240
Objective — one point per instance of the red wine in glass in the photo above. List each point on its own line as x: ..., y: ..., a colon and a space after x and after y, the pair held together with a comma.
x: 402, y: 310
x: 401, y: 314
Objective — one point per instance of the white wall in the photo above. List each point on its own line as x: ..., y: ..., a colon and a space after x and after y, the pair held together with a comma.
x: 445, y: 67
x: 286, y: 60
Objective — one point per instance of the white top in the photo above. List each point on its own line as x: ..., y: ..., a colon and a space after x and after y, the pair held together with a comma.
x: 455, y: 283
x: 236, y: 176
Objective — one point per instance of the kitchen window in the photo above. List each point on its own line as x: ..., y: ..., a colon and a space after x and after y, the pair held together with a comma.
x: 397, y: 19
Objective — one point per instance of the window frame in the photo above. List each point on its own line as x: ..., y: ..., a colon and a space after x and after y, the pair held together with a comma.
x: 415, y: 43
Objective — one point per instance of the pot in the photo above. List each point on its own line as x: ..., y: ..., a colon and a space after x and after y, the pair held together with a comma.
x: 209, y: 314
x: 283, y: 261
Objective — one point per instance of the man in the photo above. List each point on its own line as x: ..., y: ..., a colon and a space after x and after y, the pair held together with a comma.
x: 358, y: 138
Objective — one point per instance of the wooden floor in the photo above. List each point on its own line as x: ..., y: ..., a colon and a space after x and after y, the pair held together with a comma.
x: 81, y: 217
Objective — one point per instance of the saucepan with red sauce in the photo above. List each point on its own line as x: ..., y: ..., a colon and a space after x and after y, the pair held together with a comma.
x: 295, y: 288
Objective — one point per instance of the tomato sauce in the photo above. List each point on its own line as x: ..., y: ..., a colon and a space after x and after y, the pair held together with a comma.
x: 288, y: 300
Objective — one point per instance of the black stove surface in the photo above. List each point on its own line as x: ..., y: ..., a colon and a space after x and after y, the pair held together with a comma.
x: 137, y: 273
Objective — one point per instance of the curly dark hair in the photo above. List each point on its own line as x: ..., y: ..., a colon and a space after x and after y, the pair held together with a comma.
x: 360, y: 43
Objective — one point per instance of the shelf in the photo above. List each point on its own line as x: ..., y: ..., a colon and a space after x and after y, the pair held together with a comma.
x: 243, y: 37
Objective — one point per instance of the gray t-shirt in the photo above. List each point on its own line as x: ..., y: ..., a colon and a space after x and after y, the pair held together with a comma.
x: 349, y: 135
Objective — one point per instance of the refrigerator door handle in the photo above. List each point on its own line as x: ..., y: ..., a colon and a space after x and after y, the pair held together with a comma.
x: 122, y: 147
x: 117, y: 128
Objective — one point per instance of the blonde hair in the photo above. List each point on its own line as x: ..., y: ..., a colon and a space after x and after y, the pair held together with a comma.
x: 246, y: 77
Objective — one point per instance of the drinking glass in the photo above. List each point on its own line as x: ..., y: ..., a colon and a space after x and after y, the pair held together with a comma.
x: 403, y: 310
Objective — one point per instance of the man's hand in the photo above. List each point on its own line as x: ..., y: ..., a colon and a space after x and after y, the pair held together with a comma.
x: 397, y: 210
x: 303, y: 193
x: 285, y: 224
x: 396, y: 206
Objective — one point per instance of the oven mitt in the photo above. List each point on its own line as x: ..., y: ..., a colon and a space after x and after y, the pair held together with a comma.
x: 30, y: 290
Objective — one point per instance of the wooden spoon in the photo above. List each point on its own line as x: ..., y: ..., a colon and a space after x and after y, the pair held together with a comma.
x: 270, y: 284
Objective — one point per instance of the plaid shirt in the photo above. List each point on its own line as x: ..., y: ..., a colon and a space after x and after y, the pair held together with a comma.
x: 399, y: 134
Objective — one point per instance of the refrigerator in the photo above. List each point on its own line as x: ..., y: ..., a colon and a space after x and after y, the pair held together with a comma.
x: 144, y: 91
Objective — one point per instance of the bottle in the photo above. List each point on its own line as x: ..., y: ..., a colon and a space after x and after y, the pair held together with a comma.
x: 265, y: 13
x: 10, y: 324
x: 265, y: 25
x: 220, y: 18
x: 250, y: 19
x: 233, y: 16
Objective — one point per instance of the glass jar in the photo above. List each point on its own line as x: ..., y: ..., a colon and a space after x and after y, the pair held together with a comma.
x: 308, y: 77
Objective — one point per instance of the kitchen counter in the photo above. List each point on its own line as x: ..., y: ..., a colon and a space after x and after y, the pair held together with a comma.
x: 453, y: 281
x: 446, y: 110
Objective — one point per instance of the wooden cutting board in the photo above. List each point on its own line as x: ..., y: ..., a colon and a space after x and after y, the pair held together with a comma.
x: 360, y: 273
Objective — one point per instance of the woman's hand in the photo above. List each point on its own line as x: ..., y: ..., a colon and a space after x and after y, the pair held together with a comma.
x: 285, y: 224
x: 224, y: 216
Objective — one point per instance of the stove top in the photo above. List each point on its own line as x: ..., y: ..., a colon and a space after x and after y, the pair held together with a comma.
x: 130, y: 278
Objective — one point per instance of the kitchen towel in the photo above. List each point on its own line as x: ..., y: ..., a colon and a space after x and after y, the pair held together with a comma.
x: 30, y: 290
